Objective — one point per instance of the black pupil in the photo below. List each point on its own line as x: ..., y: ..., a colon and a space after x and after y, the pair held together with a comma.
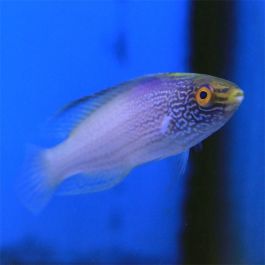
x: 203, y: 95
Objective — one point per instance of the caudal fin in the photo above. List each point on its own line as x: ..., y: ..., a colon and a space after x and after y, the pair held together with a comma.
x: 36, y: 185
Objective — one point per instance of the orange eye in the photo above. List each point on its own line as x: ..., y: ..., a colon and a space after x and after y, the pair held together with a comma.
x: 204, y: 96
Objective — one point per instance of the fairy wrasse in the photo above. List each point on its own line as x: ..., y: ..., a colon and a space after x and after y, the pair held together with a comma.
x: 107, y: 134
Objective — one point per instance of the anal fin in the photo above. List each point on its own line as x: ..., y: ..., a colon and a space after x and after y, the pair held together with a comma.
x: 87, y: 182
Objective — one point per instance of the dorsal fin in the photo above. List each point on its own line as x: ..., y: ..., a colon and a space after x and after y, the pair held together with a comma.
x: 60, y: 126
x: 89, y: 103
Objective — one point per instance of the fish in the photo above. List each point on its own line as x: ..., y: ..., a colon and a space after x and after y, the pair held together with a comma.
x: 104, y: 136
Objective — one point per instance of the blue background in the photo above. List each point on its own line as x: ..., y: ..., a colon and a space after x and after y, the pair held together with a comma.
x: 54, y: 52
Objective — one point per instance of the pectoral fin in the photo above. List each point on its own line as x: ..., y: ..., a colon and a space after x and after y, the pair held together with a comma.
x: 181, y: 163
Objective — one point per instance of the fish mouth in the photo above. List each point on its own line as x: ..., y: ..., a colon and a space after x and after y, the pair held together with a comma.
x: 236, y: 97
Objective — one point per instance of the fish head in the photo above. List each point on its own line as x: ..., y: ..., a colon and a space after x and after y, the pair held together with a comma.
x: 202, y: 106
x: 218, y: 97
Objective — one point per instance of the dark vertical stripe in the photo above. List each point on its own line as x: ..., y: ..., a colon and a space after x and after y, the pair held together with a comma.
x: 212, y: 53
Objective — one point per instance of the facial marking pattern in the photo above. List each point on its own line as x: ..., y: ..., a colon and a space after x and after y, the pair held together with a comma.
x: 188, y: 118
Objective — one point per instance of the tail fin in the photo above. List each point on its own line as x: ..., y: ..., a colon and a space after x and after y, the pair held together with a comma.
x: 36, y: 186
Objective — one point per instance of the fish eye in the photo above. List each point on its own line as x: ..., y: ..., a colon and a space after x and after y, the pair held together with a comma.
x: 204, y: 96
